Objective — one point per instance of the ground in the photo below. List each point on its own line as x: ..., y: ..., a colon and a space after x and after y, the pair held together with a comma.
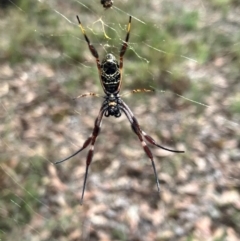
x: 188, y: 52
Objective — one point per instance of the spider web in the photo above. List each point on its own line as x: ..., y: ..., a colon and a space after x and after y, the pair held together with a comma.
x: 188, y: 54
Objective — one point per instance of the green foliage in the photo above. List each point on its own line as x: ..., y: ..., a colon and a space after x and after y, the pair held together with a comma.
x: 235, y: 105
x: 221, y: 4
x: 119, y: 235
x: 186, y: 21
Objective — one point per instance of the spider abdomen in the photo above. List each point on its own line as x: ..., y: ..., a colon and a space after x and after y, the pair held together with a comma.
x: 111, y: 82
x: 110, y: 74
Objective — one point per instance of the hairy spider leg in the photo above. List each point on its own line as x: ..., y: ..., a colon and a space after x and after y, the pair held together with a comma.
x: 137, y: 130
x: 87, y: 95
x: 92, y: 49
x: 137, y: 91
x: 123, y: 50
x: 142, y: 90
x: 91, y: 140
x: 147, y: 137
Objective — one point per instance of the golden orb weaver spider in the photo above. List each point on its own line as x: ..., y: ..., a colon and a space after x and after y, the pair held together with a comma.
x: 110, y: 74
x: 107, y: 3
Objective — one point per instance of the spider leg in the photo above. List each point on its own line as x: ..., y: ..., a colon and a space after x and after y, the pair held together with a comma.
x: 95, y: 133
x: 152, y: 141
x: 91, y: 140
x: 91, y: 47
x: 137, y: 131
x: 123, y: 50
x: 147, y: 137
x: 125, y: 43
x: 142, y: 90
x: 85, y: 144
x: 86, y: 95
x: 136, y: 128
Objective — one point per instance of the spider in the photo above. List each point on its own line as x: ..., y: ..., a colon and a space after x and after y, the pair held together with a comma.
x: 110, y: 74
x: 107, y: 3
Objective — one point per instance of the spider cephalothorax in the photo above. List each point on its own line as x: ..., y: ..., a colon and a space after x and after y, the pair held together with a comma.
x: 110, y: 73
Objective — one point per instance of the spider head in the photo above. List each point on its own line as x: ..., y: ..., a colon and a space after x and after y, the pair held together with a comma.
x: 112, y: 106
x: 109, y: 64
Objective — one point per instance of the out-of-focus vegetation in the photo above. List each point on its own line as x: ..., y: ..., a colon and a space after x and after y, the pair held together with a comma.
x: 187, y: 49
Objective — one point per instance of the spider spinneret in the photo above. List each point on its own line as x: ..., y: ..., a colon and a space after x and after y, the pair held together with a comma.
x: 110, y: 74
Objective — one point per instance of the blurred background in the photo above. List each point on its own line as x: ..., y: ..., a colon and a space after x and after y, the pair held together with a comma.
x: 189, y: 53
